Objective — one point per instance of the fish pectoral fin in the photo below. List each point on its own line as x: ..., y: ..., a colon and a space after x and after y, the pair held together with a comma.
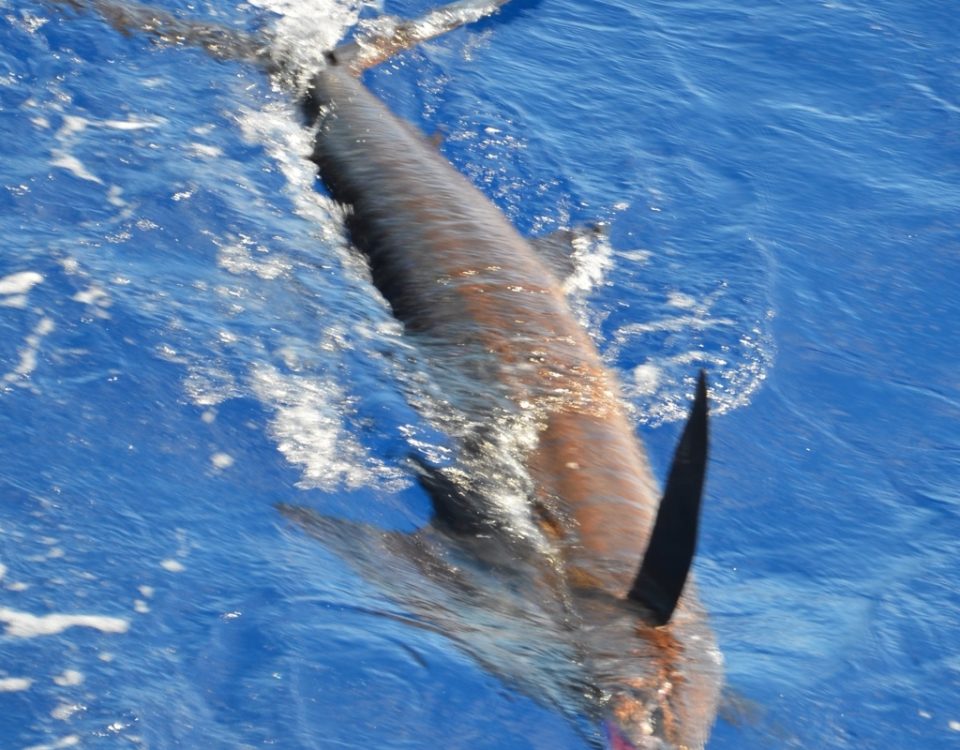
x: 457, y: 506
x: 408, y: 567
x: 361, y: 543
x: 666, y: 563
x: 564, y: 250
x: 374, y: 552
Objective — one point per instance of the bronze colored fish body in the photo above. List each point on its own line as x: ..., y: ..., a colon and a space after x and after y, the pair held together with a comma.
x: 556, y: 607
x: 493, y: 316
x: 484, y: 303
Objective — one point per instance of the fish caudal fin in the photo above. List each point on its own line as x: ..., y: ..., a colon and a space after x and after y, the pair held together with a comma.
x: 381, y: 39
x: 220, y: 42
x: 388, y: 35
x: 667, y: 561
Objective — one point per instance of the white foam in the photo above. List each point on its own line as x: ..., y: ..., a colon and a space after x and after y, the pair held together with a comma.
x: 172, y: 566
x: 64, y: 711
x: 72, y: 164
x: 637, y: 256
x: 95, y: 295
x: 205, y: 151
x: 26, y: 625
x: 275, y: 128
x: 309, y: 28
x: 592, y: 261
x: 660, y: 386
x: 15, y: 300
x: 115, y: 196
x: 681, y: 300
x: 30, y: 350
x: 71, y: 740
x: 3, y: 571
x: 237, y: 258
x: 14, y: 684
x: 72, y: 126
x: 129, y: 124
x: 222, y: 460
x: 206, y: 386
x: 674, y: 324
x: 646, y: 378
x: 69, y: 678
x: 309, y: 429
x: 20, y: 283
x: 593, y: 258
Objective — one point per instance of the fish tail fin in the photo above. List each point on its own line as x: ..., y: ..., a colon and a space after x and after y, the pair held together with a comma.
x: 383, y: 38
x: 220, y: 42
x: 389, y: 35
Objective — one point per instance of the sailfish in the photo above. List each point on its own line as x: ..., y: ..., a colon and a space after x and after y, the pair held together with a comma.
x: 551, y: 557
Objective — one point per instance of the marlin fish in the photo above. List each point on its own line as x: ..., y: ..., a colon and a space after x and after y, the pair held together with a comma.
x: 581, y: 599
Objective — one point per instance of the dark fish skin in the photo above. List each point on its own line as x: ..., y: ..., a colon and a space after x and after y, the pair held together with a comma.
x: 466, y: 283
x: 493, y: 317
x: 552, y: 614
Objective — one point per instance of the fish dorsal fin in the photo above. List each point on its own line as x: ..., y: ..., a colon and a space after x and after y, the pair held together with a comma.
x: 563, y: 251
x: 557, y: 252
x: 674, y: 539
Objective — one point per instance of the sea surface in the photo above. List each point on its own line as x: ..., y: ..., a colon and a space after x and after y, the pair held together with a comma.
x: 187, y: 338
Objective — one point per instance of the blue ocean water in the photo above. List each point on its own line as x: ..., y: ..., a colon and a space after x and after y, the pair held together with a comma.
x: 187, y: 340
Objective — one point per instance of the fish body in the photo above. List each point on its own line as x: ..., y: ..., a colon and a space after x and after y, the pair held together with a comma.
x: 490, y: 314
x: 493, y: 317
x: 549, y: 598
